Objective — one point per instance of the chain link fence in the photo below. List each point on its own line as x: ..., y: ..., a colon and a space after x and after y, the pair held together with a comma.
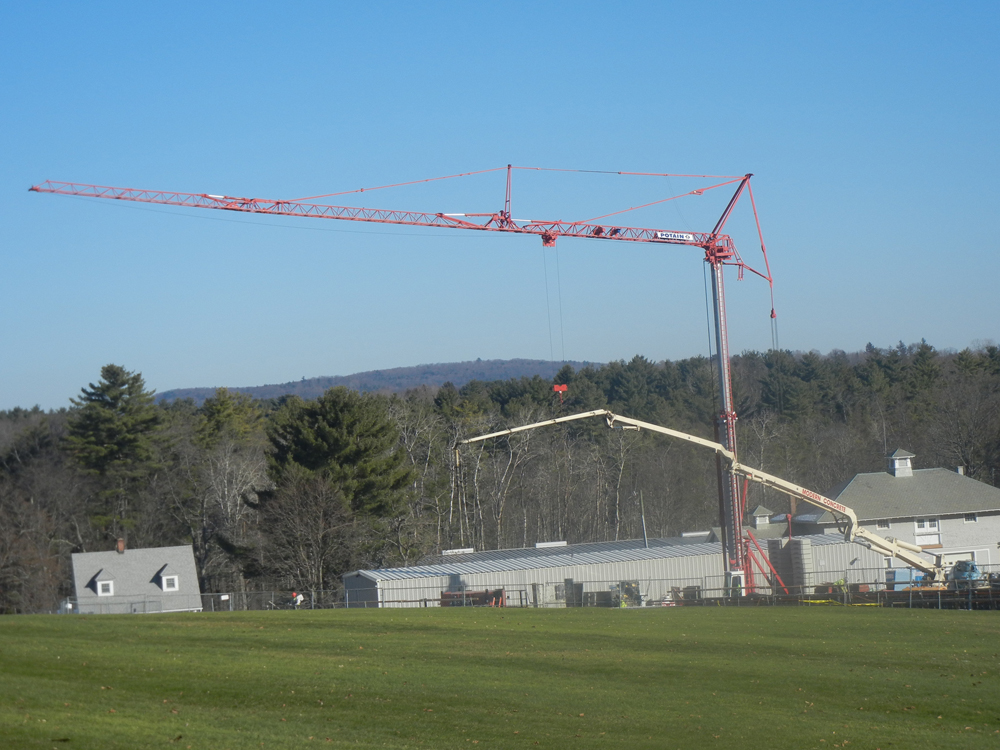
x: 892, y: 587
x: 859, y: 587
x: 240, y: 601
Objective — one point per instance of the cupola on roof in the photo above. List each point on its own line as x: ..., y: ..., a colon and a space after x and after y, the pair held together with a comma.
x: 900, y: 464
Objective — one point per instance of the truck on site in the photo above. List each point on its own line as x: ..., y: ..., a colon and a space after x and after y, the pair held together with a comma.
x: 934, y: 574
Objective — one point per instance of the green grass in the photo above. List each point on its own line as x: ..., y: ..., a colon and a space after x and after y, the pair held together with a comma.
x: 462, y: 678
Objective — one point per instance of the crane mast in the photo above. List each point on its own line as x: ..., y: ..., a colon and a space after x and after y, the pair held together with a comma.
x: 731, y: 501
x: 720, y: 251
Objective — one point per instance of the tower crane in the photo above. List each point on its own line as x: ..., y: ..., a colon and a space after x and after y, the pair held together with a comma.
x: 719, y: 251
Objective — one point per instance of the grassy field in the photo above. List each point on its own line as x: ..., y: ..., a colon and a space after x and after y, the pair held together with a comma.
x: 456, y: 678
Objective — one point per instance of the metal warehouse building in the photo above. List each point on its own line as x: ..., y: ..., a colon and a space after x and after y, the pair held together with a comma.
x: 597, y: 574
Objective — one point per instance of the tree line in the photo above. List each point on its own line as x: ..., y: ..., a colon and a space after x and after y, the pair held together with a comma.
x: 290, y: 494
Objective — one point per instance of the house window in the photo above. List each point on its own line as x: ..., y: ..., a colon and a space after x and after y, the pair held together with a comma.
x: 971, y: 518
x: 170, y: 583
x: 105, y: 588
x: 927, y: 532
x: 882, y: 524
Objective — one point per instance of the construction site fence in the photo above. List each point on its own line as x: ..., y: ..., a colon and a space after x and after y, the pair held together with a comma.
x: 858, y: 587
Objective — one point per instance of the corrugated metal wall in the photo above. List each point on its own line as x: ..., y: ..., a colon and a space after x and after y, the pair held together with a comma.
x: 801, y: 563
x: 809, y: 562
x: 526, y: 587
x: 832, y: 562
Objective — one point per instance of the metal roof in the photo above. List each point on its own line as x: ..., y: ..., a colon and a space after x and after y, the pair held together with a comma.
x: 815, y: 515
x: 533, y: 552
x: 768, y: 531
x: 928, y: 492
x: 574, y: 554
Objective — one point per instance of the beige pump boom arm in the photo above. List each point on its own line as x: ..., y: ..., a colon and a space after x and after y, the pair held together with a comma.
x: 902, y: 551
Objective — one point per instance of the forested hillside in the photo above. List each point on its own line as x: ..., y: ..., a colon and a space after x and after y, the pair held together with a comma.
x: 394, y: 380
x: 291, y: 493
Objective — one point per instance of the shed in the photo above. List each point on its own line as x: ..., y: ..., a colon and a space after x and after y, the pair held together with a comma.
x: 123, y: 581
x: 595, y: 574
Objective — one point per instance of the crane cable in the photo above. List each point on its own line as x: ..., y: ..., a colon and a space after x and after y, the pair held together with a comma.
x: 708, y: 330
x: 548, y: 304
x: 634, y: 174
x: 398, y: 184
x: 699, y: 191
x: 767, y: 266
x: 548, y: 307
x: 562, y: 332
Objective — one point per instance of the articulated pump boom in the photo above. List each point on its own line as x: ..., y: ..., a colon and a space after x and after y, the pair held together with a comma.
x: 902, y: 551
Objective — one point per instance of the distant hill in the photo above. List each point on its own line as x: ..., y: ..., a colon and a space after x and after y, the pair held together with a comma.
x: 395, y: 380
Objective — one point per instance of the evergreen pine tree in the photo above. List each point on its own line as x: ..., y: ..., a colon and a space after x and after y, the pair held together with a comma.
x: 111, y: 436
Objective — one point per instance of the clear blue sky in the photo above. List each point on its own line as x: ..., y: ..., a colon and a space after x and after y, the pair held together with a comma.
x: 872, y: 130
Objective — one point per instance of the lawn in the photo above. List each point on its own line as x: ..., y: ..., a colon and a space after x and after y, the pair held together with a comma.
x: 456, y: 678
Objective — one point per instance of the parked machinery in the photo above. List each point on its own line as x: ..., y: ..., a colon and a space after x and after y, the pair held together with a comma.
x: 965, y: 574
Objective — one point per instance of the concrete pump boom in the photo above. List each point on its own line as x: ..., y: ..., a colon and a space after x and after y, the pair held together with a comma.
x: 902, y: 551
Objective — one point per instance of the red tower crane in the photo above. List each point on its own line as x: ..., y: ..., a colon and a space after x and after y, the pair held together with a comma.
x: 720, y: 251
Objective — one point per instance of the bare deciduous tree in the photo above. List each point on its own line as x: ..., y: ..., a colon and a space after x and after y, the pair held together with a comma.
x: 309, y: 534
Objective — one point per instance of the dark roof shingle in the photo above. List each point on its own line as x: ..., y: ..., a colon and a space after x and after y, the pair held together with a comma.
x: 928, y: 492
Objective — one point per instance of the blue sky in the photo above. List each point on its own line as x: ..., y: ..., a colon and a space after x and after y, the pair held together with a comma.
x: 871, y: 130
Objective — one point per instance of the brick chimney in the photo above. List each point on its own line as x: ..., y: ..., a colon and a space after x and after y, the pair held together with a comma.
x: 120, y: 547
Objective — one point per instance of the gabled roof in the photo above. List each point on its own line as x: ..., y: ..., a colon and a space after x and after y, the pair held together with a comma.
x: 167, y: 570
x: 138, y: 575
x: 813, y: 515
x: 880, y: 495
x: 770, y: 531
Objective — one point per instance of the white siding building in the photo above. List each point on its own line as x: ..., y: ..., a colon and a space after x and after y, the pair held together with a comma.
x: 943, y: 511
x: 597, y: 574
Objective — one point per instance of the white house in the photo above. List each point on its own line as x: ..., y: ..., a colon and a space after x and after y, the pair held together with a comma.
x: 943, y: 511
